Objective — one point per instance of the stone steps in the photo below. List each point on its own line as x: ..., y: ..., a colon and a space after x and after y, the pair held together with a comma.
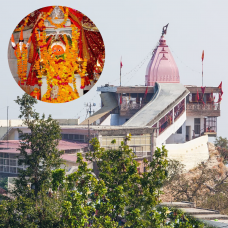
x: 207, y: 215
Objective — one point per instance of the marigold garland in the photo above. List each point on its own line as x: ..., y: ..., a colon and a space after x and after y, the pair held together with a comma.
x: 22, y: 61
x: 59, y: 70
x: 24, y: 24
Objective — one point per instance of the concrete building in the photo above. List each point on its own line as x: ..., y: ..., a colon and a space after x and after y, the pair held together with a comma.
x: 163, y: 112
x: 9, y: 156
x: 180, y: 117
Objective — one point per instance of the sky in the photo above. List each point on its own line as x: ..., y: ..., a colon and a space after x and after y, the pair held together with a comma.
x: 131, y: 29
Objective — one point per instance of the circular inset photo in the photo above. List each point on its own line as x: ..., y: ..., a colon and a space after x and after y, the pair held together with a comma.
x: 56, y: 54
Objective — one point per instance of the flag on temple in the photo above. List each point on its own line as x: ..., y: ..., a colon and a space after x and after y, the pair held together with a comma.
x: 220, y: 98
x: 203, y: 55
x: 197, y: 95
x: 120, y: 98
x: 220, y: 87
x: 145, y: 93
x: 121, y: 64
x: 203, y: 89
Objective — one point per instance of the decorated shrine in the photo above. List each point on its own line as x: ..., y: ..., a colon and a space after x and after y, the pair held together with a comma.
x: 63, y: 56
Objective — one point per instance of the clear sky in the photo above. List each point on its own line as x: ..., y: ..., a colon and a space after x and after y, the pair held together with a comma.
x: 131, y: 29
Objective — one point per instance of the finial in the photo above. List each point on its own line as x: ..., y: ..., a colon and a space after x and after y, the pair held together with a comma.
x: 164, y: 29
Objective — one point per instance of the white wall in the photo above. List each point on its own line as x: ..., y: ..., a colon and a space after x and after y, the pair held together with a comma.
x: 190, y: 122
x: 114, y: 120
x: 190, y: 153
x: 12, y: 123
x: 178, y: 138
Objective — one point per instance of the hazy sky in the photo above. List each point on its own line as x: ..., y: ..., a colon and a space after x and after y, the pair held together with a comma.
x: 131, y: 29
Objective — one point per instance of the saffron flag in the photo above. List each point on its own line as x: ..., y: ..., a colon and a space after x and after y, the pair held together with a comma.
x: 220, y: 87
x: 197, y: 95
x: 203, y: 55
x: 121, y: 64
x: 145, y: 93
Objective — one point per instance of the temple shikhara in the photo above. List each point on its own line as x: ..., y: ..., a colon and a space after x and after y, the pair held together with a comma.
x: 163, y: 112
x: 56, y: 54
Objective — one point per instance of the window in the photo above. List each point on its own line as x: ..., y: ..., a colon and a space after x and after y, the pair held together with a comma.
x: 179, y: 131
x: 6, y: 161
x: 197, y: 125
x: 65, y: 136
x: 6, y: 155
x: 71, y: 137
x: 76, y: 137
x: 5, y: 169
x: 13, y: 170
x: 13, y: 163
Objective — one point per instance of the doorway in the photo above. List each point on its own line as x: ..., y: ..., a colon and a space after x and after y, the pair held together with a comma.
x: 188, y: 133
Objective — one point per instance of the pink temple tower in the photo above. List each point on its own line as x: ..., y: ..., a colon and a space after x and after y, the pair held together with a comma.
x: 162, y: 67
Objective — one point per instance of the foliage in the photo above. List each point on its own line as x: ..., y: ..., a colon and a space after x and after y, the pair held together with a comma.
x: 120, y: 191
x: 38, y: 149
x: 4, y: 183
x: 222, y: 146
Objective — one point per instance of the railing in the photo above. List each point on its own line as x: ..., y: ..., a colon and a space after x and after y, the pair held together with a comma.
x: 203, y: 131
x: 197, y: 106
x: 166, y: 121
x: 179, y: 109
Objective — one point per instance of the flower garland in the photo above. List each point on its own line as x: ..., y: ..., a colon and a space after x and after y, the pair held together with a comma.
x: 60, y: 69
x: 62, y: 24
x: 24, y: 24
x: 22, y: 62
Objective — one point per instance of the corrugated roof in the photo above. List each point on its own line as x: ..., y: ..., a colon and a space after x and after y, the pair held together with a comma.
x: 12, y: 145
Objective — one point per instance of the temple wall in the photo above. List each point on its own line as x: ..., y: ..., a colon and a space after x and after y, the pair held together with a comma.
x: 177, y: 138
x: 190, y: 153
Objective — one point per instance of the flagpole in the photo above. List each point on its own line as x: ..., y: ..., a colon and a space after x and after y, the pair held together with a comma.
x: 202, y: 65
x: 120, y: 74
x: 202, y: 73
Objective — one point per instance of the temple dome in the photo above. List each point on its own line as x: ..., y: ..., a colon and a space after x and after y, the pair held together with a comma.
x: 162, y: 67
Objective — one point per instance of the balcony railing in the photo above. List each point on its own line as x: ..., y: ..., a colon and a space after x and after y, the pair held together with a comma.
x: 198, y: 106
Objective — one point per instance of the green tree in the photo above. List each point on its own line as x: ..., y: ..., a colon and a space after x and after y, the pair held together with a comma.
x: 80, y: 198
x: 38, y: 149
x: 131, y: 194
x: 222, y: 146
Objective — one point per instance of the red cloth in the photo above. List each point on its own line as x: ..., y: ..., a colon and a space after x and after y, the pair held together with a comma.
x: 220, y: 87
x: 32, y: 79
x: 197, y: 95
x: 96, y: 50
x: 121, y: 99
x: 121, y: 64
x: 46, y: 9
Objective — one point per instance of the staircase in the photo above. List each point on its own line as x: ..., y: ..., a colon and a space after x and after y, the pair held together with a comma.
x: 166, y: 111
x: 4, y: 137
x: 211, y: 217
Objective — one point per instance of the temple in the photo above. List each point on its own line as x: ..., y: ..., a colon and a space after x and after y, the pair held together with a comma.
x: 163, y: 112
